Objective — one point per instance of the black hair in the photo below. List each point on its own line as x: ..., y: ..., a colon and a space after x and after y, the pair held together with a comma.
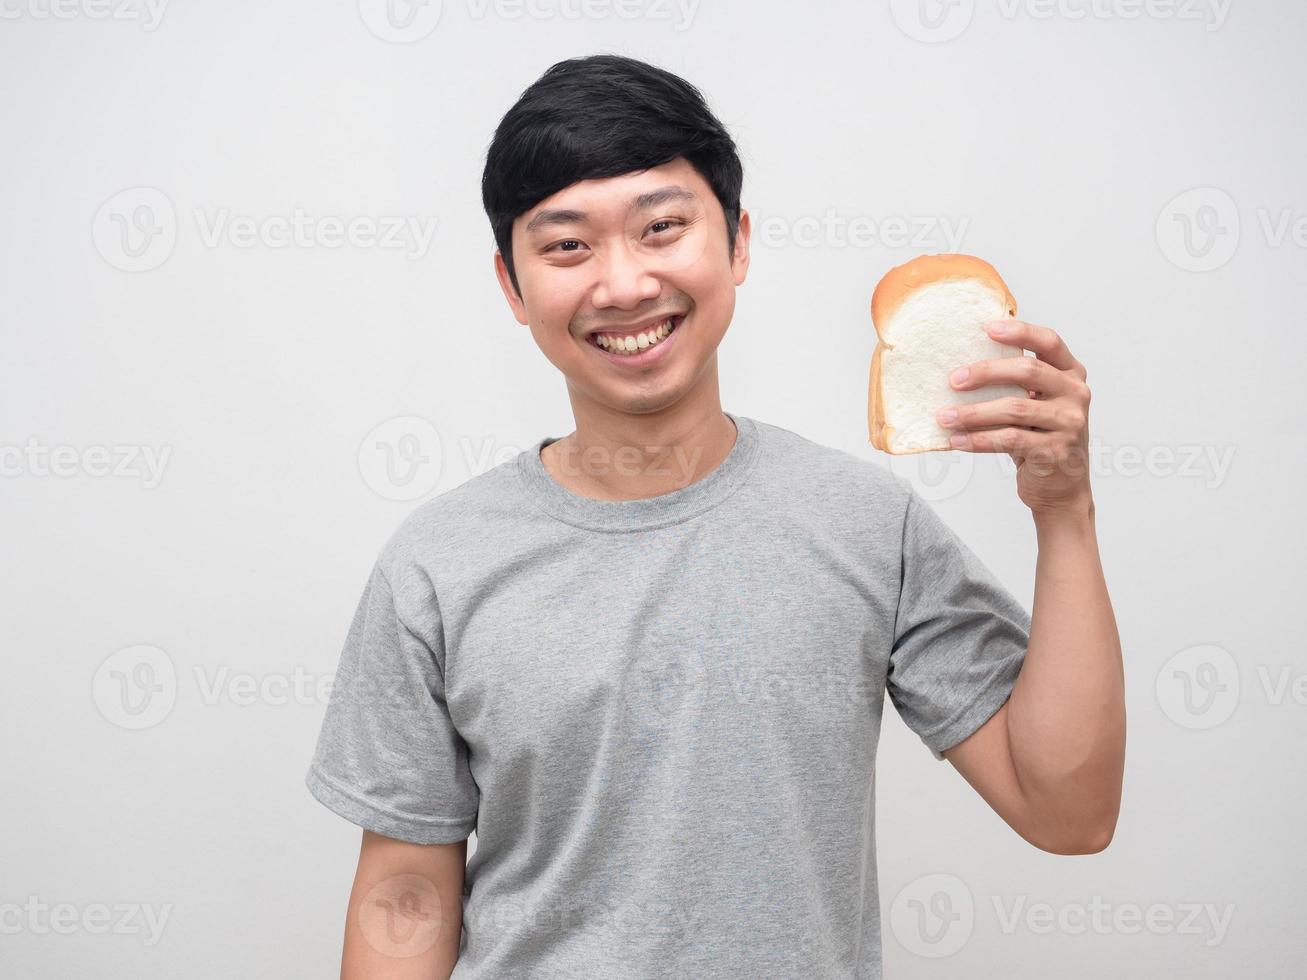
x: 602, y: 116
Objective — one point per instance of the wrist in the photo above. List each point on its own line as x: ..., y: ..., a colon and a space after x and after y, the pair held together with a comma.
x: 1077, y: 513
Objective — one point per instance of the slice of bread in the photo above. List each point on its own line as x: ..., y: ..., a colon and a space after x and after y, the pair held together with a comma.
x: 929, y: 315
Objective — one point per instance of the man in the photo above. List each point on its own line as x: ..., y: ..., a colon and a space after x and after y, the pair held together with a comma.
x: 646, y: 662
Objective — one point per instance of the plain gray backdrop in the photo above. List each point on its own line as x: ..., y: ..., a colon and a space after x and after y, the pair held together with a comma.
x: 249, y: 322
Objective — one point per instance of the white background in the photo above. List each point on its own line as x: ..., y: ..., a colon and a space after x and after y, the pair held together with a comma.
x: 1065, y: 140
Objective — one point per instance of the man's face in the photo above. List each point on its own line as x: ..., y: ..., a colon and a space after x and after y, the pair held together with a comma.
x: 614, y: 258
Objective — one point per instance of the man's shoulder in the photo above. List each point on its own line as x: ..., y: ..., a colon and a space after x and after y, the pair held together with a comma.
x: 808, y: 465
x: 455, y: 520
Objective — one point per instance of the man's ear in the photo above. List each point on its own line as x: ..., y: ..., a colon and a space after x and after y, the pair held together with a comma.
x: 740, y: 257
x: 510, y: 294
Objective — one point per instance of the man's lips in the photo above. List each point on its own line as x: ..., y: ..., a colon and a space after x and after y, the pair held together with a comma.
x: 646, y: 355
x: 651, y: 323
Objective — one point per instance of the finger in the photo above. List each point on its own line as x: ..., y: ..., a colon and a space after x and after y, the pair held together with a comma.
x: 1027, y: 372
x: 1018, y: 442
x: 1046, y: 342
x: 1015, y: 410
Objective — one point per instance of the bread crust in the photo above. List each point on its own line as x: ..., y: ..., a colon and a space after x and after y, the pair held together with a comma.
x: 875, y: 411
x: 894, y: 287
x: 897, y: 284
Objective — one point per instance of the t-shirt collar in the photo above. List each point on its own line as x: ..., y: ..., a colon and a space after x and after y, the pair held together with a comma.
x: 647, y: 513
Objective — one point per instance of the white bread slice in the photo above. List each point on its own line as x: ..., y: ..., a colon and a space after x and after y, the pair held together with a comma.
x: 929, y: 315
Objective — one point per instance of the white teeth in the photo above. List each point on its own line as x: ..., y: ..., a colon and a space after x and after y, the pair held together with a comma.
x: 641, y: 341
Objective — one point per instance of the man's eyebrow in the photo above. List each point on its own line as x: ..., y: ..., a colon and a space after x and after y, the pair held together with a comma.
x: 649, y: 199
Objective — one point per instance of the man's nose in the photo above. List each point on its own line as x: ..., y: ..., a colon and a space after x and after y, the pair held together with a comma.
x: 624, y: 279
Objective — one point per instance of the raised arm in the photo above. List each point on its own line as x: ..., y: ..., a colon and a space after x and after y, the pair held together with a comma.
x: 1051, y: 761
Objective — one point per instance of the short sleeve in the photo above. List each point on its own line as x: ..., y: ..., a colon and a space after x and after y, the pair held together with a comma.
x: 960, y: 637
x: 388, y: 757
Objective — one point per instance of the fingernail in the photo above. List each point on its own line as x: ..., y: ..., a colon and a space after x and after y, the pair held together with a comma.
x: 1001, y: 328
x: 958, y: 440
x: 947, y: 417
x: 959, y: 376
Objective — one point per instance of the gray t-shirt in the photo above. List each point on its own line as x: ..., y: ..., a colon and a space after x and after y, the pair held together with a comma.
x: 660, y: 716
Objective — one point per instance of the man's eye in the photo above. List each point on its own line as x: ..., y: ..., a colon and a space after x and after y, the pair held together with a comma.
x: 557, y: 245
x: 671, y: 222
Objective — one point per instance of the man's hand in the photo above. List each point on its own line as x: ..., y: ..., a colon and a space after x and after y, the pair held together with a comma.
x: 1046, y: 433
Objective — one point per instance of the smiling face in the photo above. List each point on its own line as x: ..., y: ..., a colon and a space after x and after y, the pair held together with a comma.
x: 603, y: 264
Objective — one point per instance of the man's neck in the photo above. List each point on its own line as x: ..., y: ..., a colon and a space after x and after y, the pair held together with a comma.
x: 631, y: 457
